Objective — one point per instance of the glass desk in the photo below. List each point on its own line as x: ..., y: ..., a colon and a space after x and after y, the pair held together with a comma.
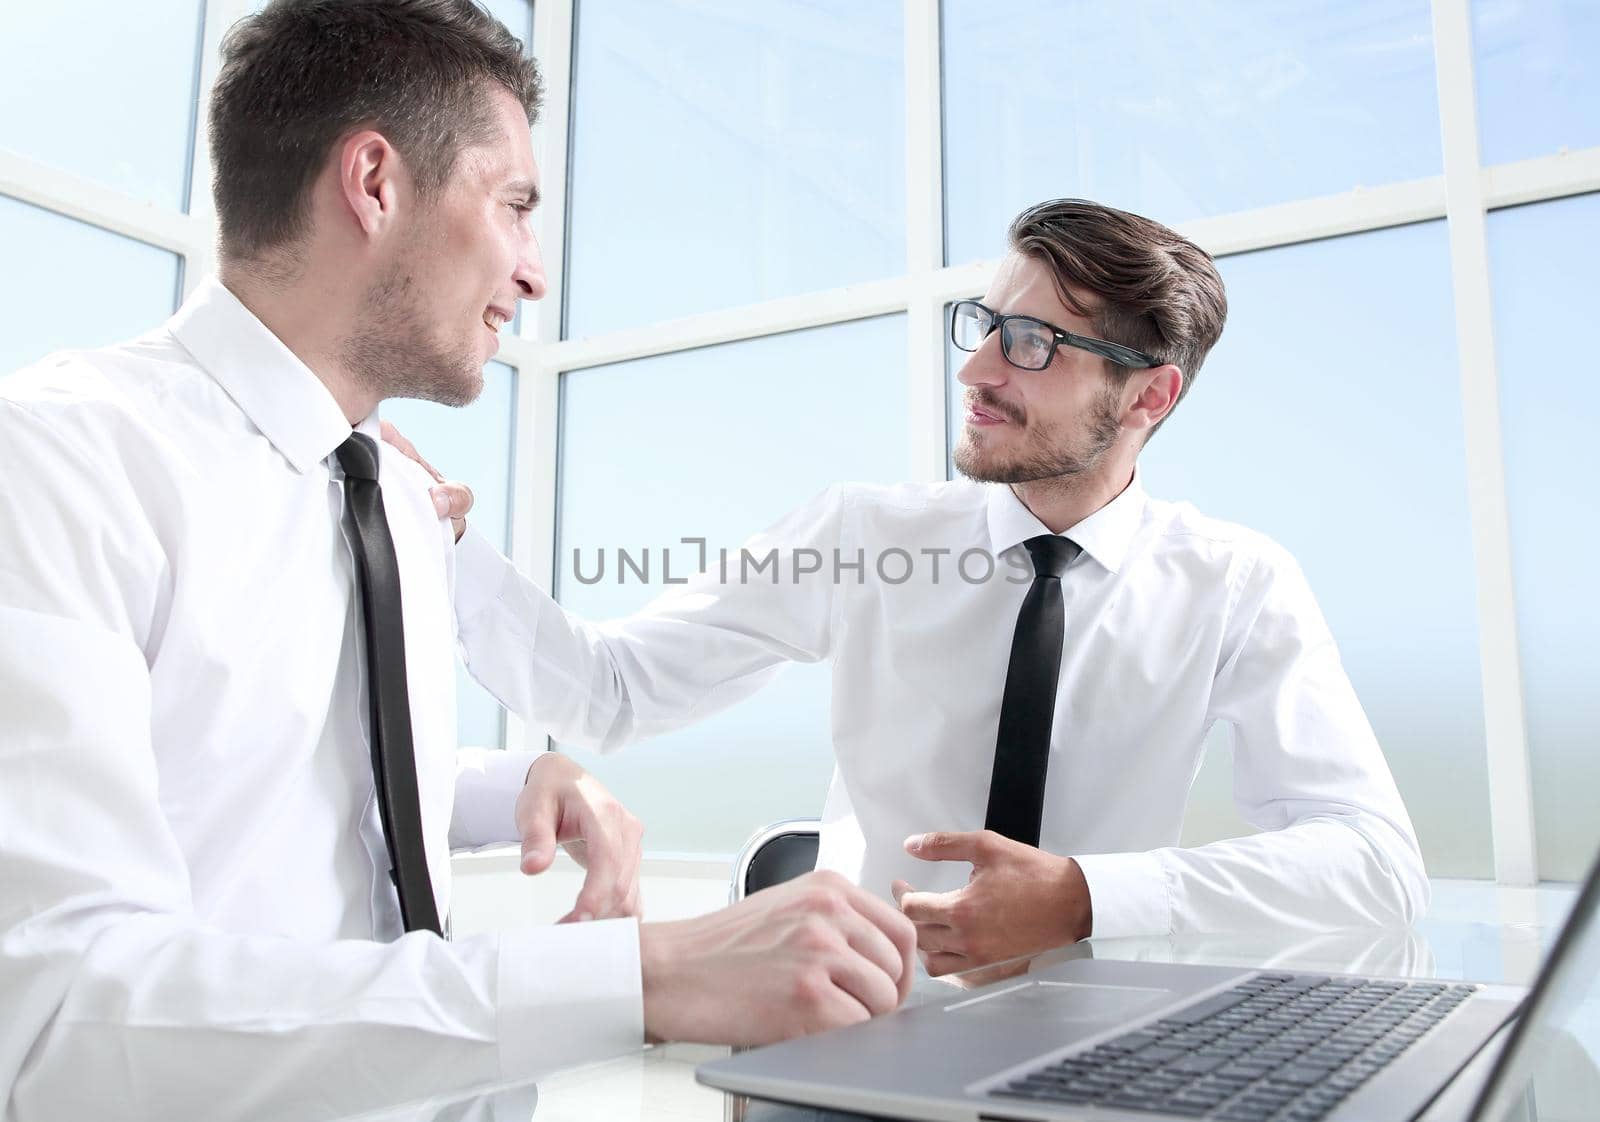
x: 1506, y: 945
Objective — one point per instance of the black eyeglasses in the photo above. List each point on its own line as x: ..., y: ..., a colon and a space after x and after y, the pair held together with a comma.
x: 1028, y: 343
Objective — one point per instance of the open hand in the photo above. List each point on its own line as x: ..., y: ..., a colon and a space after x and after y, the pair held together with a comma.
x: 1018, y: 901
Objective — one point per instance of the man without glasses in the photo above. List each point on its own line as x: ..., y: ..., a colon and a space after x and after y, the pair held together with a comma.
x: 1013, y: 758
x: 228, y: 777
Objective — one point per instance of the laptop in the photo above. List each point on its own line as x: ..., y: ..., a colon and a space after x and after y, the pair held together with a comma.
x: 1077, y: 1038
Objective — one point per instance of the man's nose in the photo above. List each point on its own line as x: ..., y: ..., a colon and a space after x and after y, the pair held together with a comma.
x: 529, y: 274
x: 985, y: 366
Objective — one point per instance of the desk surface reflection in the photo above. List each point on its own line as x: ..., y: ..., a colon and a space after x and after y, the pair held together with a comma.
x: 658, y: 1084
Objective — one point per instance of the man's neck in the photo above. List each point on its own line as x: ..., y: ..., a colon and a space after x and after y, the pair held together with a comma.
x: 1065, y: 500
x: 299, y: 315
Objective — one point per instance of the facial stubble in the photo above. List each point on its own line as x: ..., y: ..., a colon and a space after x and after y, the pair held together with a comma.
x: 1048, y: 454
x: 391, y: 353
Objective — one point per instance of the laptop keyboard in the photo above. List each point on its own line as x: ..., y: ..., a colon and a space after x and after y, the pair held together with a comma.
x: 1279, y: 1047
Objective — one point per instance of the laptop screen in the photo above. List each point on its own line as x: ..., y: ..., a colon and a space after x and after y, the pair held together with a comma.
x: 1551, y: 1053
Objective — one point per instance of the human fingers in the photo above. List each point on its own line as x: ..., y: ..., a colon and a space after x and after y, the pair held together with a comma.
x: 898, y: 932
x: 940, y: 963
x: 452, y: 500
x: 937, y: 938
x: 930, y: 907
x: 610, y: 848
x: 977, y: 846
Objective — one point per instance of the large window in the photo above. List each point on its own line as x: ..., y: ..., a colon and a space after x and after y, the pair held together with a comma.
x: 756, y: 211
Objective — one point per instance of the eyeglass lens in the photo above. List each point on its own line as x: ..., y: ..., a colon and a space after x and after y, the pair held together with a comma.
x: 1025, y: 343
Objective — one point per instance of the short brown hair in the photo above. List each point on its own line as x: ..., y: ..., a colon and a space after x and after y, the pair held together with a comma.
x: 1154, y: 290
x: 300, y: 74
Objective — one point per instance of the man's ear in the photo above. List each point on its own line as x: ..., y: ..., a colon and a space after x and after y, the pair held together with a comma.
x: 1155, y: 393
x: 371, y: 176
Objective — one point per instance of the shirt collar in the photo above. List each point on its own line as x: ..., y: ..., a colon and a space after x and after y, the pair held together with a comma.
x: 1105, y: 535
x: 272, y: 387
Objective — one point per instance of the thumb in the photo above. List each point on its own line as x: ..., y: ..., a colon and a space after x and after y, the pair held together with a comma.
x: 453, y: 500
x: 539, y: 837
x: 898, y: 889
x: 944, y: 845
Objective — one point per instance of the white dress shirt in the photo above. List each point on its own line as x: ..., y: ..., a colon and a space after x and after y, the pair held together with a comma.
x: 196, y: 918
x: 1174, y: 622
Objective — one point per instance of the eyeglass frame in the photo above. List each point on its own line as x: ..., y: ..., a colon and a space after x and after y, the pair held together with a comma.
x: 1115, y: 352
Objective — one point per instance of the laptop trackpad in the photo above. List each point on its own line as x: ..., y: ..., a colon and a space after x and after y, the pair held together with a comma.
x: 1065, y: 1001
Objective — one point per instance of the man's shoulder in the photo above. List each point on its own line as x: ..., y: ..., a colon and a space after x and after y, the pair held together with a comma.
x: 942, y: 496
x: 1180, y: 526
x: 100, y: 393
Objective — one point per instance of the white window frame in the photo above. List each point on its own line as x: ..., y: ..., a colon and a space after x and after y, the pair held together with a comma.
x: 1463, y: 195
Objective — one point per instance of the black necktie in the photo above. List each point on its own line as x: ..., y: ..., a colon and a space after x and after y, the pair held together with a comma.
x: 394, y: 764
x: 1022, y: 748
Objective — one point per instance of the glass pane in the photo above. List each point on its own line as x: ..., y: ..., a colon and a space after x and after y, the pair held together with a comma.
x: 1178, y: 109
x: 1542, y: 264
x: 1346, y: 447
x: 1538, y: 86
x: 719, y: 443
x: 474, y: 445
x: 726, y: 153
x: 49, y: 259
x: 120, y: 84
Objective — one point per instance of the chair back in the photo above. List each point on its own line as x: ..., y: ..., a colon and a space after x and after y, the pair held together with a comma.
x: 783, y: 851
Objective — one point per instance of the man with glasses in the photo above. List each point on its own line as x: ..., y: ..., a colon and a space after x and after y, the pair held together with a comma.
x: 1026, y: 661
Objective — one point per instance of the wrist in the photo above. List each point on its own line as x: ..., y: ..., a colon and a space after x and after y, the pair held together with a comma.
x: 655, y: 961
x: 1077, y: 909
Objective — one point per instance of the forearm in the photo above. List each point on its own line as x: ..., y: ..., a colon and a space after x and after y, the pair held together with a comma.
x: 151, y: 1016
x: 551, y: 671
x: 685, y: 657
x: 1320, y: 873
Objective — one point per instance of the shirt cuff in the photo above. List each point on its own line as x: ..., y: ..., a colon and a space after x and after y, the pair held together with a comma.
x: 1127, y: 894
x: 568, y: 995
x: 488, y: 781
x: 480, y: 573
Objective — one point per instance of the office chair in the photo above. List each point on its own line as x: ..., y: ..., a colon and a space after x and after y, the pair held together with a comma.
x: 783, y: 851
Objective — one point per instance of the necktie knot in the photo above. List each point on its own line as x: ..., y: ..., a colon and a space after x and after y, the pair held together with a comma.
x: 358, y: 455
x: 1051, y: 554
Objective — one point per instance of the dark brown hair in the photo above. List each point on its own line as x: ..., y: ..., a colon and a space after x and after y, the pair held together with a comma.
x: 1152, y: 289
x: 300, y: 74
